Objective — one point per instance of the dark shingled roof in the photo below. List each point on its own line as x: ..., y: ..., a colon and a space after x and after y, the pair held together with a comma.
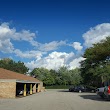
x: 7, y: 74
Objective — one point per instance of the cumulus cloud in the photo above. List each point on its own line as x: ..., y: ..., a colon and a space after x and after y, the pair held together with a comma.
x: 55, y: 60
x: 5, y: 44
x: 7, y: 34
x: 29, y: 54
x: 96, y: 34
x: 77, y: 46
x: 25, y: 35
x: 51, y: 46
x: 75, y: 62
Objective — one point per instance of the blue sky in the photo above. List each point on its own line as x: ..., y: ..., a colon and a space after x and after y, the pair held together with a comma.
x: 51, y: 33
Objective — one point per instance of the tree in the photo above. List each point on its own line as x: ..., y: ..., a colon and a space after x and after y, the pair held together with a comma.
x: 9, y: 64
x: 75, y: 77
x: 21, y: 68
x: 63, y: 75
x: 48, y: 80
x: 54, y: 74
x: 96, y: 65
x: 44, y: 75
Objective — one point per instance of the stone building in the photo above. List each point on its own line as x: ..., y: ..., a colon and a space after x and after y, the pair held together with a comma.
x: 13, y: 84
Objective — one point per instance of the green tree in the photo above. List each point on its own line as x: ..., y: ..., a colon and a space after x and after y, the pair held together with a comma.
x: 9, y: 64
x: 94, y: 69
x: 44, y: 75
x: 61, y: 77
x: 54, y: 74
x: 48, y: 80
x: 75, y: 77
x: 63, y: 74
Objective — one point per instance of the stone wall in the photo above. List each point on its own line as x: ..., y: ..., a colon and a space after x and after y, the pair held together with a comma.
x: 7, y: 89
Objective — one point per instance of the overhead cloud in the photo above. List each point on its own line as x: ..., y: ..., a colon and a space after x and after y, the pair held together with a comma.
x: 75, y: 63
x: 29, y: 54
x: 5, y: 45
x: 96, y: 34
x: 52, y: 45
x: 77, y: 46
x: 7, y: 34
x: 55, y: 60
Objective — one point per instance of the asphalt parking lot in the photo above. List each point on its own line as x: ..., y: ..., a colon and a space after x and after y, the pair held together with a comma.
x: 56, y: 100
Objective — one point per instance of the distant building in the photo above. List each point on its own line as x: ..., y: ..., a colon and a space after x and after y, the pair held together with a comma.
x: 13, y: 84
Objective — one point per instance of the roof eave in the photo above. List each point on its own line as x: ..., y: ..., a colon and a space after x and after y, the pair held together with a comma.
x: 18, y: 81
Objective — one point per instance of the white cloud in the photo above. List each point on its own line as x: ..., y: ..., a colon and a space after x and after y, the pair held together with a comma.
x: 56, y: 60
x: 96, y: 34
x: 51, y: 46
x: 25, y: 35
x: 75, y: 63
x: 5, y: 44
x: 77, y: 46
x: 7, y: 34
x: 29, y: 54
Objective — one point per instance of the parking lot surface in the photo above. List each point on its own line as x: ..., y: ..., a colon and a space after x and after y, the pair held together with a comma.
x: 56, y: 100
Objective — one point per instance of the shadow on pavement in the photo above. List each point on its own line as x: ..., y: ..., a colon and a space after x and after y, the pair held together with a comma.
x: 93, y: 97
x: 65, y: 90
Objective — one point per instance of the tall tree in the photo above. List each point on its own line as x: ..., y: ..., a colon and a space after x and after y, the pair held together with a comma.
x: 95, y: 67
x: 9, y: 64
x: 63, y: 75
x: 44, y: 75
x: 75, y: 77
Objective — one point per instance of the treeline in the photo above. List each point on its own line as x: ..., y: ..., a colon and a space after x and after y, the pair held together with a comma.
x: 61, y: 77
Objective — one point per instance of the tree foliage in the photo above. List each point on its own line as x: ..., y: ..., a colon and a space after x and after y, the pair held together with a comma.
x: 9, y: 64
x: 75, y: 77
x: 61, y: 77
x: 44, y: 75
x: 95, y: 68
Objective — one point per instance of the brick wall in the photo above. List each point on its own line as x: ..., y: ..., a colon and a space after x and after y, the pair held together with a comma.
x: 7, y: 89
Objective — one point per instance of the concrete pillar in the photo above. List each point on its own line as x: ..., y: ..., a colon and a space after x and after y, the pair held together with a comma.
x: 30, y: 88
x: 34, y: 88
x: 24, y: 93
x: 39, y: 88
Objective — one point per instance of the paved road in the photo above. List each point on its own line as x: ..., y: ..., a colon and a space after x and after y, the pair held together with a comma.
x: 56, y: 100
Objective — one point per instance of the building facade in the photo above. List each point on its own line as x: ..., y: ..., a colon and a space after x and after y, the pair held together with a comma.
x: 13, y: 84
